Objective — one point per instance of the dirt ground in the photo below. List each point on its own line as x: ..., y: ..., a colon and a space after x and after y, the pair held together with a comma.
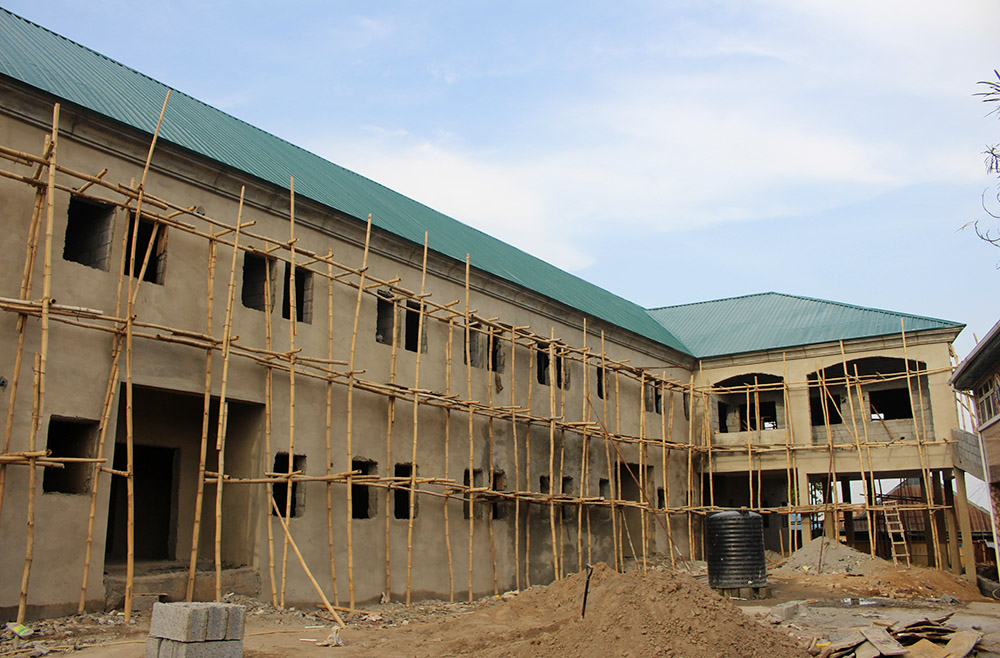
x: 659, y: 613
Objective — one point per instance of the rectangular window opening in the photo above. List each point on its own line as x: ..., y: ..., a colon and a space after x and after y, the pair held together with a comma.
x: 661, y: 498
x: 604, y: 488
x: 495, y: 344
x: 150, y: 237
x: 413, y: 337
x: 401, y: 496
x: 600, y: 382
x: 70, y: 437
x: 258, y: 282
x: 568, y: 511
x: 88, y: 233
x: 385, y: 317
x: 890, y: 404
x: 723, y: 417
x: 363, y: 498
x: 303, y: 294
x: 544, y: 374
x: 474, y: 346
x: 768, y: 416
x: 498, y: 508
x: 477, y: 481
x: 832, y: 410
x: 653, y: 398
x: 279, y: 490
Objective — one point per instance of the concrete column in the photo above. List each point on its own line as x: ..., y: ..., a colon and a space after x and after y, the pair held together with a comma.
x: 845, y: 494
x: 932, y: 554
x: 951, y: 524
x: 802, y: 479
x: 964, y: 525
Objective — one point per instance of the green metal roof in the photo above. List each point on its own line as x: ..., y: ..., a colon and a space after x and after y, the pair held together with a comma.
x: 771, y: 320
x: 44, y: 60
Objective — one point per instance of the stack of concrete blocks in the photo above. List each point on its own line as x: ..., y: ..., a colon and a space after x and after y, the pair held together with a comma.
x: 196, y: 630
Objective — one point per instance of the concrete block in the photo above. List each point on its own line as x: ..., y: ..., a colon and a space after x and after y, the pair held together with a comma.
x: 183, y: 622
x: 153, y: 647
x: 237, y: 619
x: 174, y: 649
x: 217, y: 623
x: 785, y: 611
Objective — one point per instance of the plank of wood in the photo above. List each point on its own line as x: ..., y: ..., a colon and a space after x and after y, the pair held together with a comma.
x: 866, y: 650
x: 882, y: 641
x: 926, y: 649
x: 962, y: 643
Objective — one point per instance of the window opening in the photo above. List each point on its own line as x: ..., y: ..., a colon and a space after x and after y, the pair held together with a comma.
x: 88, y: 233
x: 401, y: 497
x: 832, y: 409
x: 723, y: 417
x: 303, y: 294
x: 545, y: 371
x: 600, y: 382
x: 498, y: 508
x: 258, y: 278
x: 604, y: 488
x: 145, y: 242
x: 385, y: 317
x: 768, y: 416
x: 363, y: 497
x: 496, y: 352
x: 477, y: 481
x: 661, y: 498
x: 279, y: 490
x: 475, y: 341
x: 890, y: 404
x: 653, y: 398
x: 70, y: 438
x: 412, y: 328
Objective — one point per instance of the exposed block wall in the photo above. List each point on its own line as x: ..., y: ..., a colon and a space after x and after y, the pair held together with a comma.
x: 196, y: 630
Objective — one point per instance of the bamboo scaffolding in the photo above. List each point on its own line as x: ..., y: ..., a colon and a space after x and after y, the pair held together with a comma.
x: 350, y: 412
x: 41, y: 359
x: 447, y: 457
x: 416, y: 416
x: 220, y: 434
x: 560, y: 496
x: 327, y: 428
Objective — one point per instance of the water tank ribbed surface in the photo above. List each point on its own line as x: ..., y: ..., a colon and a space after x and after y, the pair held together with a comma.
x: 736, y: 550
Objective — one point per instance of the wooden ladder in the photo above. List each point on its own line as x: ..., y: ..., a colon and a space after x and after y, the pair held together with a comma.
x: 897, y: 535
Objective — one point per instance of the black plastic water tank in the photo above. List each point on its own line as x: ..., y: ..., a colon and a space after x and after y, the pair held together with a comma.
x: 735, y: 550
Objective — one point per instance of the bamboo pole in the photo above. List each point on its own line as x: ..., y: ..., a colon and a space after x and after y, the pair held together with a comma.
x: 41, y: 361
x: 517, y: 470
x: 690, y: 464
x: 527, y: 467
x: 934, y: 559
x: 489, y: 456
x: 270, y: 266
x: 305, y: 567
x: 616, y: 482
x: 447, y: 457
x: 854, y: 427
x: 31, y: 251
x: 350, y: 410
x: 203, y: 443
x: 416, y: 415
x: 607, y: 450
x: 292, y: 330
x: 871, y: 490
x: 583, y: 457
x: 327, y: 429
x: 390, y: 421
x: 642, y: 466
x: 468, y: 390
x: 220, y: 434
x: 552, y: 439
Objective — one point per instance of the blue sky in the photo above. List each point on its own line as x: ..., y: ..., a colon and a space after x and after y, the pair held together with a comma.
x: 668, y: 151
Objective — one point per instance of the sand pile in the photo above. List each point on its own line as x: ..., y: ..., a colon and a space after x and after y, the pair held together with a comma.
x: 635, y: 615
x: 823, y: 555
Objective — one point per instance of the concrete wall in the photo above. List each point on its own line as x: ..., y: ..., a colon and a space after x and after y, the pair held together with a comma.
x: 169, y: 385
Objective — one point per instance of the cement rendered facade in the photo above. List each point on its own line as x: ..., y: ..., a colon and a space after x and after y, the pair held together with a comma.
x: 510, y: 544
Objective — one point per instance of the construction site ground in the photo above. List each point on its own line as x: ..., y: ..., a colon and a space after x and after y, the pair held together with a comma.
x: 663, y: 612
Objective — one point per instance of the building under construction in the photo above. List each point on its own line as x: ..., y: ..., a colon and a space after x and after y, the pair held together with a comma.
x: 231, y: 365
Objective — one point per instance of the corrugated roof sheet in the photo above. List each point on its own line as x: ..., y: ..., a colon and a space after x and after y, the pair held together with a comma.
x: 771, y: 320
x: 42, y: 59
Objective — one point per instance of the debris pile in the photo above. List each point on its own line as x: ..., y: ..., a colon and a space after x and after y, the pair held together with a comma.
x: 824, y: 555
x: 637, y: 615
x: 924, y: 637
